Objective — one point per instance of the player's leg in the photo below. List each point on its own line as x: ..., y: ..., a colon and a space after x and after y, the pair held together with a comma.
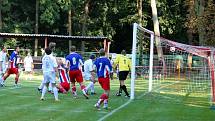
x: 72, y: 79
x: 122, y: 83
x: 5, y: 76
x: 16, y: 72
x: 120, y: 86
x: 46, y: 78
x: 79, y: 79
x: 91, y: 87
x: 50, y: 88
x: 105, y: 84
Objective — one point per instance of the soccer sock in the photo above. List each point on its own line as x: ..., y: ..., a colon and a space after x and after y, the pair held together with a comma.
x: 125, y: 90
x: 92, y: 87
x: 50, y: 86
x: 105, y: 103
x: 41, y: 85
x: 102, y: 98
x: 120, y: 89
x: 88, y: 86
x: 55, y: 93
x: 44, y: 91
x: 16, y: 80
x: 82, y: 87
x: 74, y: 90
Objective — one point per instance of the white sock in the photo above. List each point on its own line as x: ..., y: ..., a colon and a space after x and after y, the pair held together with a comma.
x: 50, y: 86
x: 105, y: 103
x: 44, y: 91
x: 89, y: 86
x: 55, y: 92
x: 41, y: 85
x: 92, y: 87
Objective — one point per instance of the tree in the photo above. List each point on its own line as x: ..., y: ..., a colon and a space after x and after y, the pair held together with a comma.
x: 36, y: 27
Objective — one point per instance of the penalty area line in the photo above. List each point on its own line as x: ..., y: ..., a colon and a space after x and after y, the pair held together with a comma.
x: 120, y: 107
x: 129, y: 101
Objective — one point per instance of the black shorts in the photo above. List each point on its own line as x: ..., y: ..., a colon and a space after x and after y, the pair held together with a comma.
x: 123, y: 75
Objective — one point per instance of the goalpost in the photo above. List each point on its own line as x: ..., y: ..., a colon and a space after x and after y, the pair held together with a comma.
x: 182, y: 69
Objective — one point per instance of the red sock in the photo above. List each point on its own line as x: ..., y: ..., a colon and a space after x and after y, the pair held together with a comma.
x: 82, y: 87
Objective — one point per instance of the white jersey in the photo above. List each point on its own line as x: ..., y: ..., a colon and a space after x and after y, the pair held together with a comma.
x: 28, y: 63
x: 88, y: 67
x: 3, y: 60
x: 49, y: 63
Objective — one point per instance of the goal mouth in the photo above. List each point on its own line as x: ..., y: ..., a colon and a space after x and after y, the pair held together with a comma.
x: 171, y: 67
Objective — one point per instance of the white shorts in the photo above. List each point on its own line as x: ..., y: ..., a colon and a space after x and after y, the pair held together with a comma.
x: 49, y: 77
x: 28, y: 69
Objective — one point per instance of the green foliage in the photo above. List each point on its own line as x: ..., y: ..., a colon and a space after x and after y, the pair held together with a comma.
x: 112, y: 18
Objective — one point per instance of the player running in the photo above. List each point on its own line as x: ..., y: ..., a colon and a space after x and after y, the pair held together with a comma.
x: 12, y: 67
x: 104, y: 69
x: 74, y: 61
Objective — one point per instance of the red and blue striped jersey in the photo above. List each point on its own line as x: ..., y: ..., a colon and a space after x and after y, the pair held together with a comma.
x: 103, y: 67
x: 63, y: 74
x: 13, y: 59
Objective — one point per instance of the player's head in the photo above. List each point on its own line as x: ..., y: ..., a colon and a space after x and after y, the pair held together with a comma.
x: 52, y: 45
x: 60, y: 61
x: 17, y: 48
x: 3, y: 48
x: 48, y: 51
x: 92, y: 56
x: 123, y: 52
x: 102, y: 52
x: 73, y: 48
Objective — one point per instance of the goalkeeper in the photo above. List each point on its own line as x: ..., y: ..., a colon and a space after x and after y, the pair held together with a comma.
x: 124, y: 64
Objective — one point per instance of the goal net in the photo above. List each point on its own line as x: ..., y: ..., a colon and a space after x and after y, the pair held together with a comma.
x: 164, y: 66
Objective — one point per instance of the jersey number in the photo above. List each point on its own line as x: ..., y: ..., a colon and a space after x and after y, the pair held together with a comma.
x: 73, y: 61
x: 100, y: 66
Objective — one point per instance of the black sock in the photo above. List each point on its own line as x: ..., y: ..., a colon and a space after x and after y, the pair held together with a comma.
x: 125, y: 90
x: 120, y: 89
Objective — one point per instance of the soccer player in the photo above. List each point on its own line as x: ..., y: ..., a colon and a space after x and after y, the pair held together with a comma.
x: 49, y: 66
x: 28, y: 65
x: 124, y: 64
x: 74, y: 61
x: 12, y: 67
x: 52, y: 47
x: 89, y: 74
x: 64, y: 85
x: 103, y: 68
x: 3, y: 57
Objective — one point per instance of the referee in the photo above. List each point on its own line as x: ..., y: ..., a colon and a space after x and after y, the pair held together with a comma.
x: 124, y: 64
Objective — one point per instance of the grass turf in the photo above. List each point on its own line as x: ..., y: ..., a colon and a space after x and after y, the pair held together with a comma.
x: 23, y: 104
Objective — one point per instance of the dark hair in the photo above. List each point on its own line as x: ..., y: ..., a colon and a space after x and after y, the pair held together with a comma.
x: 16, y: 47
x: 102, y: 52
x: 48, y: 51
x: 92, y: 56
x: 73, y: 48
x: 123, y: 52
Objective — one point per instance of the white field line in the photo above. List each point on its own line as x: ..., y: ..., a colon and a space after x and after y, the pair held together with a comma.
x: 128, y: 102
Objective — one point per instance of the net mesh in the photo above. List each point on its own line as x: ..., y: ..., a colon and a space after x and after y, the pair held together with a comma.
x: 180, y: 69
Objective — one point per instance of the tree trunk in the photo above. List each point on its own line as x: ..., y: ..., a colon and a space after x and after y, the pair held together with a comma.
x: 0, y: 16
x: 140, y: 16
x: 201, y: 28
x: 84, y: 27
x: 70, y: 27
x: 156, y: 27
x: 36, y: 28
x: 140, y: 11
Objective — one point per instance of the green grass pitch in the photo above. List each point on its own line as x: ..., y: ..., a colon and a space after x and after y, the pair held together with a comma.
x: 23, y: 104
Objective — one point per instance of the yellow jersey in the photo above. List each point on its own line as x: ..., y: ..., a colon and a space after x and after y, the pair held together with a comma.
x: 123, y: 62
